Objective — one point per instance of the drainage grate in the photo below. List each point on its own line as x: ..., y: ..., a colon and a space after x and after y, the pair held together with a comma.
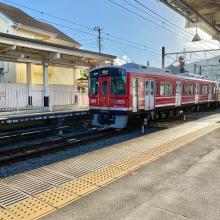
x: 10, y: 196
x: 48, y: 176
x: 27, y: 184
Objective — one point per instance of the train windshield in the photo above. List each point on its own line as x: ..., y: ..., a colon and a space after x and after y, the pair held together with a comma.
x: 117, y: 76
x: 118, y: 81
x: 93, y: 82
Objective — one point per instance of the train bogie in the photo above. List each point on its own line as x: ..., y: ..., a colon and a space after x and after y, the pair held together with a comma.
x: 110, y: 120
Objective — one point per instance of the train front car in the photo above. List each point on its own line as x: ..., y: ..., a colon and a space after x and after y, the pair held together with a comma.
x: 108, y: 97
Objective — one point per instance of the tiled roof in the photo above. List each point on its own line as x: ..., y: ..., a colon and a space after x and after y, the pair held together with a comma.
x: 18, y: 16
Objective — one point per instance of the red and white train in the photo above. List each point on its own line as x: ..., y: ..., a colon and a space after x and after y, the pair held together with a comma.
x: 117, y: 92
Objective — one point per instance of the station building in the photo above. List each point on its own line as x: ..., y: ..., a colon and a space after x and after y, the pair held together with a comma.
x: 40, y: 66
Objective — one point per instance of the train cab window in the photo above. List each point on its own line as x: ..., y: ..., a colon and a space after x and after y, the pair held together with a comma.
x: 93, y: 82
x: 118, y: 81
x: 166, y: 89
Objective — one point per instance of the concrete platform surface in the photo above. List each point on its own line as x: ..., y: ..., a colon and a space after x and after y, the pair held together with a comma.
x: 24, y: 116
x: 184, y: 184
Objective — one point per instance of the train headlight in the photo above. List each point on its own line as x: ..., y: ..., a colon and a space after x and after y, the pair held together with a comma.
x: 92, y: 101
x: 120, y: 101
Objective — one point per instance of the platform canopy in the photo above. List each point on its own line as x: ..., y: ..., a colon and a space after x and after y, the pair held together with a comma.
x: 25, y: 50
x: 204, y: 14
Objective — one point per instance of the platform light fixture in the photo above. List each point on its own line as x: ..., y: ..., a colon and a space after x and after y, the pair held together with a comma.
x: 196, y: 38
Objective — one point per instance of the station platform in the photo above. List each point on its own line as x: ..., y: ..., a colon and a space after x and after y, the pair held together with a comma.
x: 25, y: 116
x: 170, y: 174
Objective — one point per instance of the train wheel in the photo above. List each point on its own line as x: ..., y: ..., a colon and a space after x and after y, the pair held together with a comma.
x: 171, y: 114
x: 152, y: 114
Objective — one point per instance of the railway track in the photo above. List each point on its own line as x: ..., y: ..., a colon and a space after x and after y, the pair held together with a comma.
x: 16, y: 154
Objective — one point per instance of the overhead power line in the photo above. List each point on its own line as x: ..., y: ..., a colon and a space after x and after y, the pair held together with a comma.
x: 140, y: 16
x: 168, y: 22
x: 65, y: 26
x: 108, y: 39
x: 92, y: 33
x: 135, y: 13
x: 49, y: 15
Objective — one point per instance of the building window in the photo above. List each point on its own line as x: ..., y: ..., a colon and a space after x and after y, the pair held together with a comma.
x: 204, y: 90
x: 166, y: 89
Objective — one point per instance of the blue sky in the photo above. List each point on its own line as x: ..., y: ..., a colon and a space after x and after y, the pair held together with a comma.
x: 114, y: 20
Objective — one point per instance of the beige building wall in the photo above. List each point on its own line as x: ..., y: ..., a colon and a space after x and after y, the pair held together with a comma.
x: 17, y: 72
x: 9, y: 70
x: 5, y: 26
x: 56, y: 75
x: 28, y: 34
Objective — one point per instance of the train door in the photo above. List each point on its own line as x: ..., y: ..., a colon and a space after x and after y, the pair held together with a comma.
x: 149, y: 94
x: 135, y: 95
x: 178, y: 94
x: 104, y: 86
x: 196, y: 93
x: 210, y: 92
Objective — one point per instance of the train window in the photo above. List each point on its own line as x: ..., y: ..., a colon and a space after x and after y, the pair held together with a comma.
x: 146, y: 87
x: 93, y: 83
x: 118, y: 81
x: 204, y: 90
x: 210, y: 89
x: 166, y: 89
x: 104, y: 87
x: 188, y: 89
x: 152, y: 88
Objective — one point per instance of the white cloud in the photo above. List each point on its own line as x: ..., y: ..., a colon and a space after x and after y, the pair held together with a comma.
x: 120, y: 61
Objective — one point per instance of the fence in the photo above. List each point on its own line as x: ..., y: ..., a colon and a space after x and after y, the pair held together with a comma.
x: 77, y: 99
x: 13, y: 98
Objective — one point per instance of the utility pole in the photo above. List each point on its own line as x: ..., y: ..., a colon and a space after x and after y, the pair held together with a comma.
x: 163, y: 57
x: 99, y: 30
x: 195, y: 67
x: 200, y: 70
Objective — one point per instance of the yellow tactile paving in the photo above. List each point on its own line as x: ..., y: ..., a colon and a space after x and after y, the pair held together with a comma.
x: 124, y: 159
x: 57, y: 197
x: 29, y: 209
x: 79, y: 187
x: 127, y: 165
x: 114, y: 171
x: 98, y: 178
x: 5, y: 215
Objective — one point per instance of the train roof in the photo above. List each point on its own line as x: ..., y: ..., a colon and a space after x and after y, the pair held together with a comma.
x: 138, y: 68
